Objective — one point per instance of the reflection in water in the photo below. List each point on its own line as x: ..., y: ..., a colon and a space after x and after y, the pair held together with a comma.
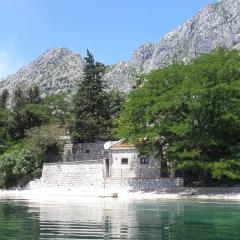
x: 113, y: 219
x: 109, y: 220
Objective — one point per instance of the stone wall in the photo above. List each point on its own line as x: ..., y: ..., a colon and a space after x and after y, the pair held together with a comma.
x: 77, y: 174
x: 83, y: 151
x: 90, y: 174
x: 88, y: 151
x: 134, y: 168
x: 144, y: 184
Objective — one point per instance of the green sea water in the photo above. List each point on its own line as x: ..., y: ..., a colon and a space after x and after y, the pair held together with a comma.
x: 115, y: 219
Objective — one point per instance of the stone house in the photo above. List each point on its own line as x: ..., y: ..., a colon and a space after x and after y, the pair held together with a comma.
x: 109, y: 165
x: 123, y: 160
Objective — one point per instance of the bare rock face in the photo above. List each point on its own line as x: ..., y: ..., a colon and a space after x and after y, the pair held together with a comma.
x: 54, y: 71
x: 59, y: 69
x: 122, y: 75
x: 216, y: 25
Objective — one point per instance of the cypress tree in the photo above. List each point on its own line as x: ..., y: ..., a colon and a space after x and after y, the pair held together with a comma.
x: 33, y: 95
x: 4, y: 97
x: 90, y: 104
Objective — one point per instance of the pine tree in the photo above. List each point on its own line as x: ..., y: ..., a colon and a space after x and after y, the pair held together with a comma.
x: 26, y: 112
x: 4, y: 97
x: 19, y: 98
x: 90, y: 104
x: 33, y: 95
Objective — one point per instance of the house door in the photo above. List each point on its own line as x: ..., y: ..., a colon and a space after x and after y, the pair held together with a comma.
x: 107, y: 167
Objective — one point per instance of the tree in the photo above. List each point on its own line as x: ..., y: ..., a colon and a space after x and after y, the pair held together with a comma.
x: 19, y: 98
x: 33, y: 95
x: 190, y: 115
x: 115, y: 100
x: 14, y: 166
x: 44, y: 142
x: 26, y: 112
x: 4, y: 97
x: 3, y: 128
x: 59, y: 108
x: 90, y: 104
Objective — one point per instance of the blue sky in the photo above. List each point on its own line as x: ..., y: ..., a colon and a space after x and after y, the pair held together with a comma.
x: 111, y: 29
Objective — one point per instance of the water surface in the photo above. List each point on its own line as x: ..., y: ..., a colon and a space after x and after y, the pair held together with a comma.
x: 114, y: 219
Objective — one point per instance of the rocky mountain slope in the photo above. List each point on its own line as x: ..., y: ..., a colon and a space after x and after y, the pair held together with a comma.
x: 56, y: 70
x: 216, y: 25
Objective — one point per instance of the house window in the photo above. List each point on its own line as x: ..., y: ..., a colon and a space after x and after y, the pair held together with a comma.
x: 87, y: 151
x: 144, y: 160
x: 125, y: 161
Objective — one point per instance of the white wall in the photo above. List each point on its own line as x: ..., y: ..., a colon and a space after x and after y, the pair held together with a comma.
x: 134, y: 168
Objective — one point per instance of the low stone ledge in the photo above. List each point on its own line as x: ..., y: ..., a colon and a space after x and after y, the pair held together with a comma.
x: 145, y: 184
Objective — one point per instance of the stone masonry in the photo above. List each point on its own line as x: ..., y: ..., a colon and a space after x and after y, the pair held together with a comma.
x: 91, y: 175
x: 71, y: 174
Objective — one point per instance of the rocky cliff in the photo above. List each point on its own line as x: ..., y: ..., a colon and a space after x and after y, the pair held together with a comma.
x: 56, y: 70
x: 216, y: 25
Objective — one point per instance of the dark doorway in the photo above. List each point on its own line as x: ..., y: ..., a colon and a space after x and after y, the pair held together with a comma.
x: 107, y: 167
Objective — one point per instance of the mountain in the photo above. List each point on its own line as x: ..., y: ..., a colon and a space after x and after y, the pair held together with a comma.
x: 216, y: 25
x: 59, y: 69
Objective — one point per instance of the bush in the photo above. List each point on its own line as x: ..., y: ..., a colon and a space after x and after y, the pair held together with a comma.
x: 14, y: 166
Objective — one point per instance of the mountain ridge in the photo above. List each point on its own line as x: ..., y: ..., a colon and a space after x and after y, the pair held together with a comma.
x: 59, y: 69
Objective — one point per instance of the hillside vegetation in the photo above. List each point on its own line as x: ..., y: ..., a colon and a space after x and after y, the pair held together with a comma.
x: 186, y: 115
x: 189, y: 115
x: 30, y: 129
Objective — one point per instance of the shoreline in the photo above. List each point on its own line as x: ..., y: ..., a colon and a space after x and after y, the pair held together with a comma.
x: 213, y: 193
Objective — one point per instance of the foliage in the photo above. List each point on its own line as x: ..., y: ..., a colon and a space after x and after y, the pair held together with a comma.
x: 33, y: 95
x: 190, y: 115
x: 92, y: 105
x: 44, y: 142
x: 115, y: 100
x: 19, y: 98
x: 30, y: 115
x: 26, y: 126
x: 24, y: 159
x: 138, y: 81
x: 3, y: 128
x: 59, y: 108
x: 4, y: 98
x: 13, y: 166
x: 27, y: 112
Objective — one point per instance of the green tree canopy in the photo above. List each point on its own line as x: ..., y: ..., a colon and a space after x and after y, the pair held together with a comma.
x: 190, y: 115
x: 3, y: 127
x: 59, y: 108
x: 26, y: 112
x: 91, y: 110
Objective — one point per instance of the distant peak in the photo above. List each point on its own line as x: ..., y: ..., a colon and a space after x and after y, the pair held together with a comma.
x: 225, y: 2
x: 58, y: 50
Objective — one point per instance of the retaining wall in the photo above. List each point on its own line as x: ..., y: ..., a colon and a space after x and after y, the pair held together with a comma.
x: 144, y: 184
x: 90, y: 174
x: 76, y: 174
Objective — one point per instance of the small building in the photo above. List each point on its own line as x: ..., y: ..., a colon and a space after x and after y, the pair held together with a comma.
x: 123, y: 160
x: 109, y: 165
